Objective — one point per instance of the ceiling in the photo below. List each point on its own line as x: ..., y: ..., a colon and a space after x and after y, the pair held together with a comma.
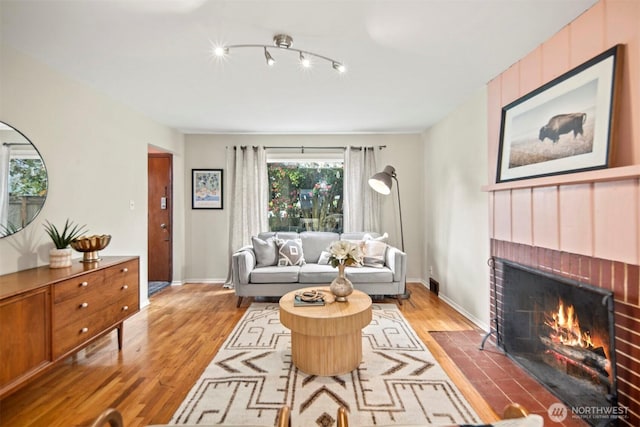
x: 410, y: 62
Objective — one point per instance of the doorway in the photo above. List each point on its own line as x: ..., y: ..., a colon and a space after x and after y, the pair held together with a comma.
x: 159, y: 223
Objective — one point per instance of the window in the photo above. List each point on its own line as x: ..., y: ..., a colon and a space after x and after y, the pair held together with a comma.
x: 305, y: 193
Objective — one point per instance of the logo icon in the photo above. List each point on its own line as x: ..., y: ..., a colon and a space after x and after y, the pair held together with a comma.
x: 557, y: 412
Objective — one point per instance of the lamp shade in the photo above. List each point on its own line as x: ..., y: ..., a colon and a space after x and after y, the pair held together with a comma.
x: 381, y: 182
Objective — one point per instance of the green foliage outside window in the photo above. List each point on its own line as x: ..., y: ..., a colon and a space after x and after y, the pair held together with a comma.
x: 27, y: 177
x: 305, y: 196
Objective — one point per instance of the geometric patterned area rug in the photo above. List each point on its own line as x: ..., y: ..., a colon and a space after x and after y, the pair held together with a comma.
x: 252, y: 376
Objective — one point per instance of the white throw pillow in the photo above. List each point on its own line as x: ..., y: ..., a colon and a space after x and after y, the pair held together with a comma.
x: 373, y: 253
x: 324, y: 258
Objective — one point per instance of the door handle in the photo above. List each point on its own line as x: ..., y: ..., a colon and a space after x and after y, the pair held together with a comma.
x: 163, y: 226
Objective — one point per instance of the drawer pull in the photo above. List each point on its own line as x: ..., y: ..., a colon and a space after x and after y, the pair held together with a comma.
x: 84, y: 305
x: 84, y: 330
x: 125, y: 270
x: 125, y: 287
x: 125, y: 308
x: 84, y: 284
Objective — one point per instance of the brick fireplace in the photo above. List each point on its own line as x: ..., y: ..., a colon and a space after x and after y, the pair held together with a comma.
x: 621, y: 278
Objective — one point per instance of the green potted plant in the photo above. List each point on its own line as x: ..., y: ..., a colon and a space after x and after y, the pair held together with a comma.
x: 60, y: 256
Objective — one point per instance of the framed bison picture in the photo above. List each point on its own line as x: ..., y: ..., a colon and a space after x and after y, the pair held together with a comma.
x: 564, y: 126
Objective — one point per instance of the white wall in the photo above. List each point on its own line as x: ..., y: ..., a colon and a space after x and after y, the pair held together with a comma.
x: 207, y: 230
x: 457, y: 232
x: 95, y: 151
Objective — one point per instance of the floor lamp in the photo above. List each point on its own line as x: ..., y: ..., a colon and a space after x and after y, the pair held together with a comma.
x: 382, y: 183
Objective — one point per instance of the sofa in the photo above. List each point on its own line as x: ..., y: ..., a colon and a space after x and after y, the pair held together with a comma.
x: 279, y: 262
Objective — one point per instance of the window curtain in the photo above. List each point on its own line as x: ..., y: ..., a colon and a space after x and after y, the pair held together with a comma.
x: 247, y: 171
x: 362, y: 205
x: 5, y: 154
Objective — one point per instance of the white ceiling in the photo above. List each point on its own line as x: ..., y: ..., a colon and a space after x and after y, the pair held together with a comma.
x: 410, y: 62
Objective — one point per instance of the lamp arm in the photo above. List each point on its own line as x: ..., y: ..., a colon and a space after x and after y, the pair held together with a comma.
x: 399, y: 211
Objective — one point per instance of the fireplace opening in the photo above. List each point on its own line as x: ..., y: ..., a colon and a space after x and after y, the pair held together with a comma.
x: 562, y: 332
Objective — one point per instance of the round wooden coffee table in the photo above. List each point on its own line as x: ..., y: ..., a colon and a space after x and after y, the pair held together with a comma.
x: 326, y: 340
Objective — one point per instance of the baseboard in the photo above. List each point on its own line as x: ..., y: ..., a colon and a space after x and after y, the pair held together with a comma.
x: 465, y: 313
x: 457, y: 308
x: 207, y: 281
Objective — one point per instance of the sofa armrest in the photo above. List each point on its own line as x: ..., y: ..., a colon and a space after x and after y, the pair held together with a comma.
x: 243, y: 261
x: 396, y: 260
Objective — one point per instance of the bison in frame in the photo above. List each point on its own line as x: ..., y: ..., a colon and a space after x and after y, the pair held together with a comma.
x: 561, y: 124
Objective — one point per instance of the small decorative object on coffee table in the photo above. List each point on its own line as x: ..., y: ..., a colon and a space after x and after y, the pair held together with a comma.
x: 343, y: 253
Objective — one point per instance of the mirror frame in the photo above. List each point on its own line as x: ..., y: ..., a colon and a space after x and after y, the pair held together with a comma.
x: 7, y: 230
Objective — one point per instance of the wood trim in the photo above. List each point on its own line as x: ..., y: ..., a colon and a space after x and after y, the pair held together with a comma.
x: 601, y: 175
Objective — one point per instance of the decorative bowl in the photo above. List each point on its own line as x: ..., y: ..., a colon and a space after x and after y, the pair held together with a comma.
x: 90, y: 246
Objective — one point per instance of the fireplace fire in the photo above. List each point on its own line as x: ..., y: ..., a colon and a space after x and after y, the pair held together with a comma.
x: 574, y: 347
x: 562, y: 332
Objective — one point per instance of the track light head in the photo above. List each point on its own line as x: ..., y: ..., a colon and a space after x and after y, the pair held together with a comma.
x: 269, y: 58
x: 306, y: 63
x: 220, y: 51
x: 339, y: 67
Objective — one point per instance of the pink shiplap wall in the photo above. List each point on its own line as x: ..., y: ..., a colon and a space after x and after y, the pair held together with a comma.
x: 600, y: 219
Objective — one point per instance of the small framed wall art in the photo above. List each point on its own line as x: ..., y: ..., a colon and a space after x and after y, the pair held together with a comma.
x: 564, y: 126
x: 206, y: 188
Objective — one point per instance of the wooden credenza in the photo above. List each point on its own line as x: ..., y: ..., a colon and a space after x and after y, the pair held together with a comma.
x: 48, y: 314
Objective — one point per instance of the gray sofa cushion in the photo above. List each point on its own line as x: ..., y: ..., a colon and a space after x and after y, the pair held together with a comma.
x: 315, y: 273
x: 369, y: 275
x: 265, y: 250
x: 275, y: 274
x: 313, y: 243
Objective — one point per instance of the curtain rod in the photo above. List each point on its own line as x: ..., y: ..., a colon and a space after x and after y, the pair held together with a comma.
x: 302, y: 147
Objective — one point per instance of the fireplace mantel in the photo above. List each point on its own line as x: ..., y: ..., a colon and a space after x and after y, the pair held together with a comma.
x: 600, y: 175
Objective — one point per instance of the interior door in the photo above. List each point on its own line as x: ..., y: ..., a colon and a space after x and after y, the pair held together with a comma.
x: 160, y: 244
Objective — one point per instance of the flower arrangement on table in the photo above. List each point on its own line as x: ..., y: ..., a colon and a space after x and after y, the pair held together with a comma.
x: 341, y: 254
x: 344, y: 252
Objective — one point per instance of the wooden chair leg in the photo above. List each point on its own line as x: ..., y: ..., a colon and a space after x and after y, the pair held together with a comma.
x: 284, y: 417
x: 343, y: 417
x: 239, y: 302
x: 514, y: 410
x: 112, y: 416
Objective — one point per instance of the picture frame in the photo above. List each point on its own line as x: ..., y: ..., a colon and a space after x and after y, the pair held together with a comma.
x: 565, y: 126
x: 207, y: 186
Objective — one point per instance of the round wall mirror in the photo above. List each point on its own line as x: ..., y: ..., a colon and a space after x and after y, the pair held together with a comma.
x: 23, y: 181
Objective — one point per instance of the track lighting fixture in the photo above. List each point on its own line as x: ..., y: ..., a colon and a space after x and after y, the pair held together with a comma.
x: 282, y: 42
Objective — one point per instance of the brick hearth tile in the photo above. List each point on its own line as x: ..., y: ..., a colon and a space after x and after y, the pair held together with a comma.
x: 510, y: 386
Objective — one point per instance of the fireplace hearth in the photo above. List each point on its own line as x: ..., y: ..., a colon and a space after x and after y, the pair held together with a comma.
x: 562, y: 332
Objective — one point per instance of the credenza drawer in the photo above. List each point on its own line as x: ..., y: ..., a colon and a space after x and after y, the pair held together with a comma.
x: 90, y: 299
x: 76, y: 333
x: 77, y: 286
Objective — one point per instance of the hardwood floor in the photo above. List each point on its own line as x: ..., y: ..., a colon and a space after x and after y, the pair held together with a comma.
x: 166, y: 347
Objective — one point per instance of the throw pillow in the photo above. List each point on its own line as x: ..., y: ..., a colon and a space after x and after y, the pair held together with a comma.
x: 373, y: 253
x: 382, y: 238
x: 324, y: 258
x: 290, y: 252
x: 265, y: 250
